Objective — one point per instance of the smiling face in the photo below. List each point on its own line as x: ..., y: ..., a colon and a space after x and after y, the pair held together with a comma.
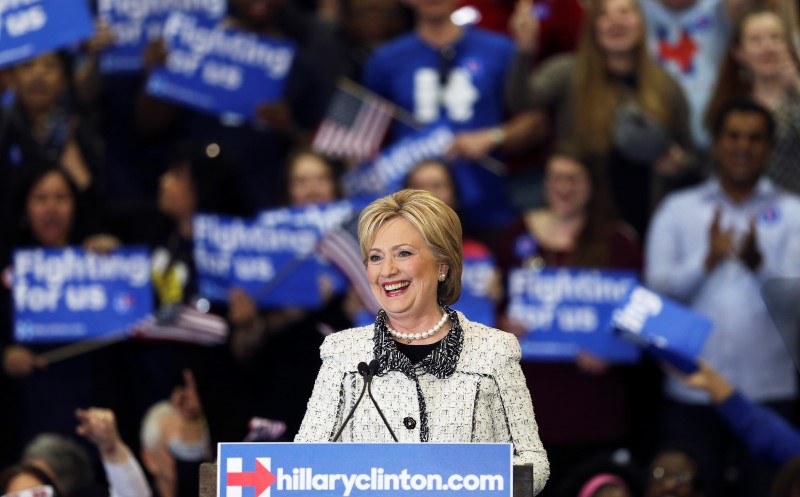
x: 618, y: 27
x: 763, y: 48
x: 672, y: 474
x: 434, y: 177
x: 403, y: 272
x: 50, y: 210
x: 311, y: 181
x: 567, y: 186
x: 742, y: 149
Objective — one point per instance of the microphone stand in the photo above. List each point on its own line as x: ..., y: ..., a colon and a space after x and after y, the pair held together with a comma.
x: 373, y: 370
x: 366, y: 372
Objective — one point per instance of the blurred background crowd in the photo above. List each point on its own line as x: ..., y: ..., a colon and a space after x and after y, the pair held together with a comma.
x: 660, y: 136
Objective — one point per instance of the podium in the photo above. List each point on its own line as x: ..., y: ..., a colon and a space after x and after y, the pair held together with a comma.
x: 523, y: 480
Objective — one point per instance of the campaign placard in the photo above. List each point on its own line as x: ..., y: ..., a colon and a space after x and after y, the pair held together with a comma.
x: 135, y: 23
x: 273, y: 256
x: 219, y: 70
x: 65, y: 295
x: 569, y: 310
x: 662, y: 327
x: 32, y: 27
x: 476, y: 279
x: 385, y: 174
x: 361, y: 469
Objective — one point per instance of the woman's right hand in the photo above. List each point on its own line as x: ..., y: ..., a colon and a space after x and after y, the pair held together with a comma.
x: 19, y: 361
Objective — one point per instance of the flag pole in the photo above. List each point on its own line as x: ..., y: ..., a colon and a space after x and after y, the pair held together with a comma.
x: 78, y: 348
x: 404, y: 116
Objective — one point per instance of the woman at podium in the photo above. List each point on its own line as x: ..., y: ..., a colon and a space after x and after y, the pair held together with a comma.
x: 435, y: 375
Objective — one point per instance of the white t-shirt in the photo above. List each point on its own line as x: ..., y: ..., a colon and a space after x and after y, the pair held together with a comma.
x: 690, y: 44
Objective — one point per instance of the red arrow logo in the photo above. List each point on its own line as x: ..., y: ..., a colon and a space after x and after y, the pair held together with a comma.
x: 261, y: 478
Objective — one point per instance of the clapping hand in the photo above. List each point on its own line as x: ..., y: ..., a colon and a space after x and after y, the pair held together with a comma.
x: 721, y: 242
x: 749, y: 252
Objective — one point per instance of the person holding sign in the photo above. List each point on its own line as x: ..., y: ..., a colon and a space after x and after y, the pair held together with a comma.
x: 577, y: 228
x: 44, y: 128
x: 52, y: 218
x: 268, y: 342
x: 438, y: 377
x: 712, y: 246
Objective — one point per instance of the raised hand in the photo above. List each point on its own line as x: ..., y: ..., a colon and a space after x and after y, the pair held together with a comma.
x: 99, y: 426
x: 720, y: 242
x: 749, y: 252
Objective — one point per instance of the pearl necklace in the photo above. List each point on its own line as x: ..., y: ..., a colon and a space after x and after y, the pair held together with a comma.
x: 417, y: 336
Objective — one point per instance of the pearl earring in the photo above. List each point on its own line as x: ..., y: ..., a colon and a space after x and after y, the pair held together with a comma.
x: 442, y: 276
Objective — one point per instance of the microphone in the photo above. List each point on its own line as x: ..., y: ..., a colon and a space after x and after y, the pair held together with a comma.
x: 366, y: 372
x: 374, y: 367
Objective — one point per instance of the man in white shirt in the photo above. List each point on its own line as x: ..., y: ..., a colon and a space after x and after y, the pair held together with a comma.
x: 712, y: 246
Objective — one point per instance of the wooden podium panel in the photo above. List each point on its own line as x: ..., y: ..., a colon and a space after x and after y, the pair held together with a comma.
x: 523, y: 480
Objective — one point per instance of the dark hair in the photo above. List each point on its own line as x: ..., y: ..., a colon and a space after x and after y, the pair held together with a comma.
x: 12, y: 472
x: 690, y: 452
x: 746, y: 106
x: 448, y: 171
x: 216, y: 179
x: 335, y: 167
x: 591, y: 247
x: 28, y: 183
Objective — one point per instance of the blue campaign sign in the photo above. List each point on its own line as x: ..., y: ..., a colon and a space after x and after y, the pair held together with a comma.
x: 137, y: 23
x: 385, y: 174
x: 356, y: 469
x: 219, y: 70
x: 274, y: 264
x: 569, y: 310
x: 476, y: 278
x: 29, y: 28
x: 273, y: 256
x: 64, y: 295
x: 662, y: 327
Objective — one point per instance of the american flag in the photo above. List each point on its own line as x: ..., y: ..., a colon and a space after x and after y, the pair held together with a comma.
x: 340, y: 247
x: 183, y: 323
x: 354, y: 125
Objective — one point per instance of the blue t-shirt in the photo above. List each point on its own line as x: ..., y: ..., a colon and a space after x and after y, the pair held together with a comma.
x: 463, y: 87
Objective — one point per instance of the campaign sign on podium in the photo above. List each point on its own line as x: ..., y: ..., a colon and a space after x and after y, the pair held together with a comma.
x: 357, y: 469
x: 662, y: 328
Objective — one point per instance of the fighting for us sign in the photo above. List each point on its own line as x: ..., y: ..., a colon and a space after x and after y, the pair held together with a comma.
x: 31, y: 27
x: 355, y: 470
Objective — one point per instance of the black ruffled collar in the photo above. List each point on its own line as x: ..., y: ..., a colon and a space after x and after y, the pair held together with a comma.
x: 441, y: 363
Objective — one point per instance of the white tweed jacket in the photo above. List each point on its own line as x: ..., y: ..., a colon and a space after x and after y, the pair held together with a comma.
x: 470, y: 389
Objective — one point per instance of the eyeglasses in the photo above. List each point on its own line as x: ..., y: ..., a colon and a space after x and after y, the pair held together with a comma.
x: 660, y: 475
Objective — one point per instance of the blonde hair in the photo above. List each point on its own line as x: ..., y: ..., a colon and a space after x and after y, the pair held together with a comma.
x: 596, y: 92
x: 436, y: 222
